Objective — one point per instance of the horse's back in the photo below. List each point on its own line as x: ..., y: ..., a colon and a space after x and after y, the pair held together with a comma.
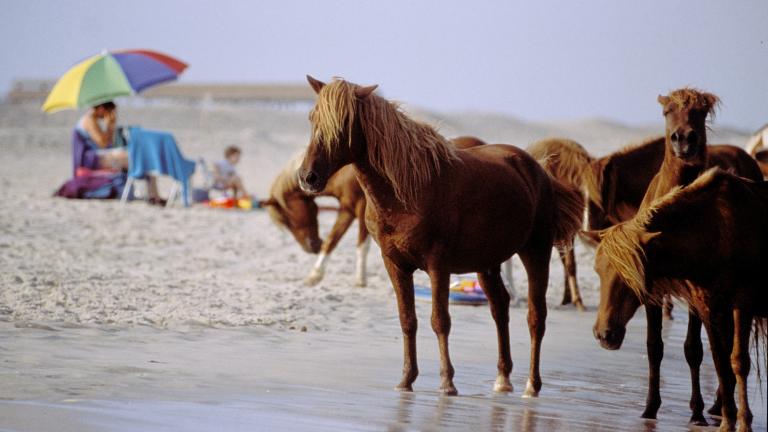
x: 466, y: 141
x: 563, y: 158
x: 734, y: 159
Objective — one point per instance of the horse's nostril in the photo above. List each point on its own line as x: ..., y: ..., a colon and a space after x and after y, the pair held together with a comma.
x: 311, y: 178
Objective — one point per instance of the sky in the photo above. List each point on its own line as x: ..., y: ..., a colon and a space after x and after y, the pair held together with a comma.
x: 537, y: 60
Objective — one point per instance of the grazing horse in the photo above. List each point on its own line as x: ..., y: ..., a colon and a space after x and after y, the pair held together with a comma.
x: 757, y: 147
x: 293, y: 209
x: 443, y: 210
x: 685, y: 157
x: 713, y: 234
x: 567, y: 161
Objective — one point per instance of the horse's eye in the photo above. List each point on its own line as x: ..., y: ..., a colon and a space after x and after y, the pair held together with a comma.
x: 675, y: 136
x: 692, y: 138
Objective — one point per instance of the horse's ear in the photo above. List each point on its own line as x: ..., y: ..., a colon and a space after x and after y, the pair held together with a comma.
x: 645, y: 237
x: 364, y: 92
x: 316, y: 84
x: 663, y: 100
x: 711, y: 101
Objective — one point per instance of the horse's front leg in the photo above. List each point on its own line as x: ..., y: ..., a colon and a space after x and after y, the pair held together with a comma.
x: 655, y: 347
x: 343, y: 221
x: 402, y: 282
x: 363, y: 244
x: 441, y: 325
x: 694, y: 353
x: 498, y: 300
x: 740, y: 363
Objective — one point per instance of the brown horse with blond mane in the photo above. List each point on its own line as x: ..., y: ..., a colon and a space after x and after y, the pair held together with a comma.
x: 417, y: 186
x: 712, y: 234
x: 568, y: 162
x: 291, y: 208
x: 685, y: 157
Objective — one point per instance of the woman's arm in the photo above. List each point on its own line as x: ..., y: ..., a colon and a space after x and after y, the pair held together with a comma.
x: 101, y: 138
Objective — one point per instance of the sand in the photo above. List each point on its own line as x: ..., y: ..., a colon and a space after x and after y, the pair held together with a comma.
x: 134, y: 317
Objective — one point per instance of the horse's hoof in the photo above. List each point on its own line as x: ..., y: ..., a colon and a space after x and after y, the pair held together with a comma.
x: 313, y: 279
x: 449, y: 390
x: 698, y: 420
x: 649, y: 414
x: 580, y: 306
x: 530, y: 392
x: 407, y: 388
x: 502, y: 385
x: 715, y: 410
x: 360, y: 283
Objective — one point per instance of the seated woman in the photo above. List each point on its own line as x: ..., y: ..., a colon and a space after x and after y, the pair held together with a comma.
x: 100, y: 138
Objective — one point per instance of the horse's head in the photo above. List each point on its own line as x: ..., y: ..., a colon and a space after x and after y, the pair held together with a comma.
x: 298, y: 214
x: 337, y: 137
x: 617, y: 304
x: 685, y: 111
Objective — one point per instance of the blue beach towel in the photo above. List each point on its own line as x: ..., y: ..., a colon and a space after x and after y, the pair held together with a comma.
x: 156, y: 152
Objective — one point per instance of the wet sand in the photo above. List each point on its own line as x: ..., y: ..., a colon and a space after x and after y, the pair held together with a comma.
x: 257, y: 378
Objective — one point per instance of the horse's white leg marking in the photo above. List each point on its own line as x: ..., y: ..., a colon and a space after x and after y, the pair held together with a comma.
x: 318, y: 271
x: 362, y: 256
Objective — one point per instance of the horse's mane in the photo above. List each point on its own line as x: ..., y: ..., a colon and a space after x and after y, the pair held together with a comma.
x: 286, y: 182
x: 622, y: 243
x: 409, y: 154
x: 565, y: 159
x: 692, y: 98
x: 593, y: 177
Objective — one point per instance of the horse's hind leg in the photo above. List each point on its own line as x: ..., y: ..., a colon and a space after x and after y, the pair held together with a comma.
x: 720, y: 331
x: 498, y: 299
x: 441, y: 325
x: 655, y: 347
x: 566, y: 288
x: 740, y: 363
x: 536, y: 261
x: 571, y: 287
x: 694, y: 353
x: 363, y: 244
x: 402, y: 281
x: 668, y: 306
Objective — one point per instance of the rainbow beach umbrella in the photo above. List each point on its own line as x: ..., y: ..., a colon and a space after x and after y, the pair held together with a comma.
x: 109, y: 75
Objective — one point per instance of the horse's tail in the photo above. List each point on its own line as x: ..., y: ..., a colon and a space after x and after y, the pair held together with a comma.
x: 760, y: 332
x: 568, y: 203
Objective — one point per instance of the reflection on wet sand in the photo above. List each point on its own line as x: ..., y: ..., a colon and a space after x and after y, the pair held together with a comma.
x: 205, y: 380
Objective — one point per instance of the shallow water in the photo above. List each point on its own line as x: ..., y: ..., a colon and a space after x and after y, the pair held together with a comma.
x: 202, y: 379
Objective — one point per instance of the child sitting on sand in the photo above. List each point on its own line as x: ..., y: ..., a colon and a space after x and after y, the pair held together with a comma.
x: 224, y: 174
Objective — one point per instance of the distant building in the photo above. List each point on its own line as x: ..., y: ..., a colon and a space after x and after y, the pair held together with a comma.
x: 32, y: 90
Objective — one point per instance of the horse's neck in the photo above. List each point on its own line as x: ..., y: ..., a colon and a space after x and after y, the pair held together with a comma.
x: 379, y: 193
x: 673, y: 172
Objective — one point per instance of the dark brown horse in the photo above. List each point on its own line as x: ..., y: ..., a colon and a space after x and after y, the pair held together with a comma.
x: 567, y: 161
x: 685, y: 157
x: 293, y: 209
x: 417, y: 188
x: 713, y: 234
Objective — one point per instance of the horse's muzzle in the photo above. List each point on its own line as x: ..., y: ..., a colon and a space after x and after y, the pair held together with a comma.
x: 610, y: 339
